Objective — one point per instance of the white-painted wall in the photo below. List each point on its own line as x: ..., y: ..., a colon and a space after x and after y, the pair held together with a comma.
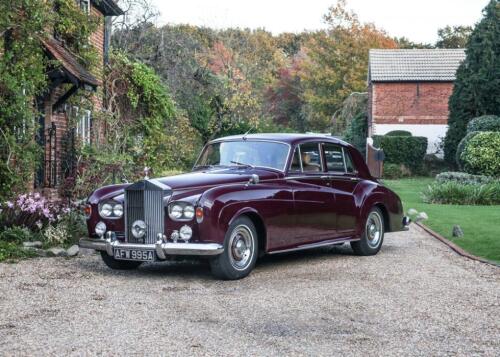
x: 433, y: 132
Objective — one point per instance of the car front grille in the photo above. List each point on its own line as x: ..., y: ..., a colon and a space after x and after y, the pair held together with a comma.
x: 144, y: 201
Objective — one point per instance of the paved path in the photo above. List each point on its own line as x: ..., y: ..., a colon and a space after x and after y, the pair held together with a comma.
x: 416, y: 297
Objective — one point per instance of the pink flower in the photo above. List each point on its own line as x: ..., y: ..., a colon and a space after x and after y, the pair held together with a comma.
x: 9, y: 204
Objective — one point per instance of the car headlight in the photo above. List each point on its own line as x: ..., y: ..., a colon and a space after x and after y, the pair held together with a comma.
x: 189, y: 212
x: 106, y: 210
x: 118, y: 210
x: 181, y: 211
x: 176, y: 211
x: 111, y: 209
x: 139, y: 229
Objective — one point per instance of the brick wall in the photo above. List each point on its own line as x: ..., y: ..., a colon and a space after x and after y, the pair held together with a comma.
x: 409, y: 103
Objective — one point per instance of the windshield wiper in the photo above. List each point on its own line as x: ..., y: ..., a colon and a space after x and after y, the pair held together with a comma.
x: 241, y: 164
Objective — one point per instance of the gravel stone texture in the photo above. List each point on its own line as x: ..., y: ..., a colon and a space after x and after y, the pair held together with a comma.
x: 415, y: 298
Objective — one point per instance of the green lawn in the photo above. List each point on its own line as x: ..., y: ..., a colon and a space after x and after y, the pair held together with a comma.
x: 481, y: 224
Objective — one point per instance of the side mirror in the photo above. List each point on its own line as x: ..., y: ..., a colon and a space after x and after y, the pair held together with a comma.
x: 254, y: 179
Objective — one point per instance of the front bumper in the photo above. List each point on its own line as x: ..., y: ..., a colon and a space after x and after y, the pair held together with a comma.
x: 163, y: 250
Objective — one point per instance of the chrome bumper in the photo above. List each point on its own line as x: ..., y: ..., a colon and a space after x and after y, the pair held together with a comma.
x: 163, y: 250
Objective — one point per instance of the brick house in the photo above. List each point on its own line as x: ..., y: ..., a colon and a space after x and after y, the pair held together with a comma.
x: 60, y: 122
x: 409, y: 90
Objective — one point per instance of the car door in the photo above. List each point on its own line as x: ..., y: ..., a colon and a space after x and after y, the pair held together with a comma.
x: 314, y: 201
x: 343, y: 178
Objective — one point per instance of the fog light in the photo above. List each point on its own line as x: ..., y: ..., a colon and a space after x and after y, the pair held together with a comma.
x: 139, y: 229
x: 100, y: 229
x: 185, y: 233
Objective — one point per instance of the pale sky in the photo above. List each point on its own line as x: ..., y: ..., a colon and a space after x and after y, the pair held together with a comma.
x: 417, y: 20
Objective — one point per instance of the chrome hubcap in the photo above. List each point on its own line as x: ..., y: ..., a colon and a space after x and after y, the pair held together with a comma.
x: 374, y: 229
x: 241, y: 248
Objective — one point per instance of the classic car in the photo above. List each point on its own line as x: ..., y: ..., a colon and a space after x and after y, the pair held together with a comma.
x: 246, y: 196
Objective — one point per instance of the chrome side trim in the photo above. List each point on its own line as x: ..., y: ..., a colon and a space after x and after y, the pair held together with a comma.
x: 163, y: 250
x: 315, y: 245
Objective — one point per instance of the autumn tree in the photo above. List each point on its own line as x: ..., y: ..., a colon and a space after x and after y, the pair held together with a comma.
x: 337, y: 63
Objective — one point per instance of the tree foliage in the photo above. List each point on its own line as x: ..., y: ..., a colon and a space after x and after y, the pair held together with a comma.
x: 477, y: 86
x: 453, y: 37
x: 337, y: 63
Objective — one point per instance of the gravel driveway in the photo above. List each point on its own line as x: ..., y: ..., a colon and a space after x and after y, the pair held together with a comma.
x: 415, y: 297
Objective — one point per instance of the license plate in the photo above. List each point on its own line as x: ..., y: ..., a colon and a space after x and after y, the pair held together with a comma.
x: 134, y: 254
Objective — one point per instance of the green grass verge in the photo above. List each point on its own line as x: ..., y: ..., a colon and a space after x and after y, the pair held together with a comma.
x: 479, y: 223
x: 11, y: 252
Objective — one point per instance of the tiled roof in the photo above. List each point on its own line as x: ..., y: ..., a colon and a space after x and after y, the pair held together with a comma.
x: 414, y: 65
x: 69, y: 62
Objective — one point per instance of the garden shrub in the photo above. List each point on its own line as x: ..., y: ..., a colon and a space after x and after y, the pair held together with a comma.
x: 406, y: 150
x: 461, y: 146
x: 453, y: 192
x: 482, y: 154
x: 398, y: 133
x: 484, y: 123
x: 357, y: 132
x: 395, y: 171
x: 463, y: 178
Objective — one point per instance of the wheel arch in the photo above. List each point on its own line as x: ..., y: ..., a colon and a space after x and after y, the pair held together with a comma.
x: 385, y: 215
x: 258, y: 222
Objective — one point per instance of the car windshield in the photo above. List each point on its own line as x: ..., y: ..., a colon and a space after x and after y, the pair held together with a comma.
x: 245, y: 153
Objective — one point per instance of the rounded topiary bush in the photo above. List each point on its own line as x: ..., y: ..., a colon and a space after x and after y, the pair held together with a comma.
x: 482, y: 154
x: 399, y: 133
x: 461, y: 146
x: 484, y: 123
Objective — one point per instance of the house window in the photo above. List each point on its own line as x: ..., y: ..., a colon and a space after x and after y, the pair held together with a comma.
x: 82, y: 119
x: 83, y: 126
x: 84, y: 5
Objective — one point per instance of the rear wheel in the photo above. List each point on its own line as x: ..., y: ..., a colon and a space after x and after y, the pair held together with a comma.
x: 373, y: 236
x: 119, y: 264
x: 240, y: 251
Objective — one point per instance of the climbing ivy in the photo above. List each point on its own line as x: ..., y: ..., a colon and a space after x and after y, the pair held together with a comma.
x: 23, y: 26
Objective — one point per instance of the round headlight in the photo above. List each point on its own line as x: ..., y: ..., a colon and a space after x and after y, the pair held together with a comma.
x: 139, y: 229
x: 118, y: 210
x: 176, y: 211
x: 100, y: 229
x: 185, y: 233
x: 106, y: 210
x: 189, y: 212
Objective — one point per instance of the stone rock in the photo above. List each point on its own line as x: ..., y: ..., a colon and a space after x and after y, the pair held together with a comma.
x: 73, y: 250
x: 422, y: 216
x: 56, y: 252
x: 412, y: 212
x: 457, y: 231
x: 35, y: 244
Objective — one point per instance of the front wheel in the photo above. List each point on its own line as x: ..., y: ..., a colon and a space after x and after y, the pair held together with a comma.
x: 119, y: 264
x: 373, y: 236
x: 240, y: 251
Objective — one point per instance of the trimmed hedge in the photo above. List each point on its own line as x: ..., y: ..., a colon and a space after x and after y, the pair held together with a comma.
x: 406, y: 150
x: 484, y: 123
x: 461, y: 146
x: 482, y: 154
x: 463, y: 178
x: 398, y: 133
x: 456, y: 193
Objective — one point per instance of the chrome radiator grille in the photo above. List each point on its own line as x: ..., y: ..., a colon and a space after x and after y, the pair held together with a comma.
x: 144, y: 201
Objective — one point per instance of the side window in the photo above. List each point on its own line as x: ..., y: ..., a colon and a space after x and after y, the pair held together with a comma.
x: 348, y: 162
x: 296, y: 165
x: 334, y: 157
x: 311, y: 158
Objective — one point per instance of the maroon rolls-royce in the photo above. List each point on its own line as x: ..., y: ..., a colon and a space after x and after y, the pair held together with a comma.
x: 246, y: 196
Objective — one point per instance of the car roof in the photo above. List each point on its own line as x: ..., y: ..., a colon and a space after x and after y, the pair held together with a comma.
x: 288, y: 138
